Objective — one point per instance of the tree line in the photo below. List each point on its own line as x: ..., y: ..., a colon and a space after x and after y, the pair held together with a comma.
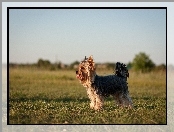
x: 141, y: 63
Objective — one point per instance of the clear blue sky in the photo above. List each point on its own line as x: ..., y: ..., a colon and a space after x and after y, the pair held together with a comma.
x: 69, y: 35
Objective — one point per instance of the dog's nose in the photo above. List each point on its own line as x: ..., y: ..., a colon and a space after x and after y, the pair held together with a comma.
x: 76, y: 72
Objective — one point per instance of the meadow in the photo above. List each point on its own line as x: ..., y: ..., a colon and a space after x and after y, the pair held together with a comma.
x: 56, y: 97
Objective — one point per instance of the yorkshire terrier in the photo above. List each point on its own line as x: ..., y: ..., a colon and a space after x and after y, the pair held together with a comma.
x: 99, y: 87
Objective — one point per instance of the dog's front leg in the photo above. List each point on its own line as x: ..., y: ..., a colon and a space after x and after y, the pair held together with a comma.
x: 99, y: 101
x: 91, y: 95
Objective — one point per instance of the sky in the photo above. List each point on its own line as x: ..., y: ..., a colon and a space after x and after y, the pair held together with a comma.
x: 68, y: 35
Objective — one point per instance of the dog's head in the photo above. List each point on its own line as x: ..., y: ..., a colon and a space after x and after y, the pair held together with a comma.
x: 86, y: 70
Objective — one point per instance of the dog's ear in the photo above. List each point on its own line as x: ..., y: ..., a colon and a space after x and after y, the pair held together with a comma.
x: 91, y: 62
x: 90, y: 59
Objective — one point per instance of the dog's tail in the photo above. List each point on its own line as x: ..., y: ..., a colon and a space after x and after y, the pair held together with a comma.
x: 121, y: 70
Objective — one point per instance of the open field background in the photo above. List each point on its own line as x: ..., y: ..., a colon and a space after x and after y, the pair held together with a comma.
x: 56, y: 97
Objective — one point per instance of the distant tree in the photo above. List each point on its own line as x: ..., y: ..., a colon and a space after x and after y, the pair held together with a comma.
x: 71, y: 66
x: 43, y: 63
x: 129, y: 65
x: 142, y: 63
x: 59, y: 65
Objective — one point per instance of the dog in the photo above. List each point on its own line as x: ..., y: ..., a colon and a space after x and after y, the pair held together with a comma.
x: 100, y: 87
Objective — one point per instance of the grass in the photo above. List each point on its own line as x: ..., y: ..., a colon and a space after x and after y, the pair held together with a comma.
x: 56, y: 97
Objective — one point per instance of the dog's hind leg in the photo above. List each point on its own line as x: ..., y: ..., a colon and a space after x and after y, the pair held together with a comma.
x: 127, y: 100
x: 118, y: 99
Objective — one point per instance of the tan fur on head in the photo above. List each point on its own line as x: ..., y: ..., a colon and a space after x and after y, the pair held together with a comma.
x: 91, y: 63
x: 86, y: 71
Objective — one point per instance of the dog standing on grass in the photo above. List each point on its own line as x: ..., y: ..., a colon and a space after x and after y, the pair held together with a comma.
x: 99, y: 87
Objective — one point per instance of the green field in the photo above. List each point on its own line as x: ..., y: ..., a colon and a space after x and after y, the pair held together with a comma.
x: 57, y: 97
